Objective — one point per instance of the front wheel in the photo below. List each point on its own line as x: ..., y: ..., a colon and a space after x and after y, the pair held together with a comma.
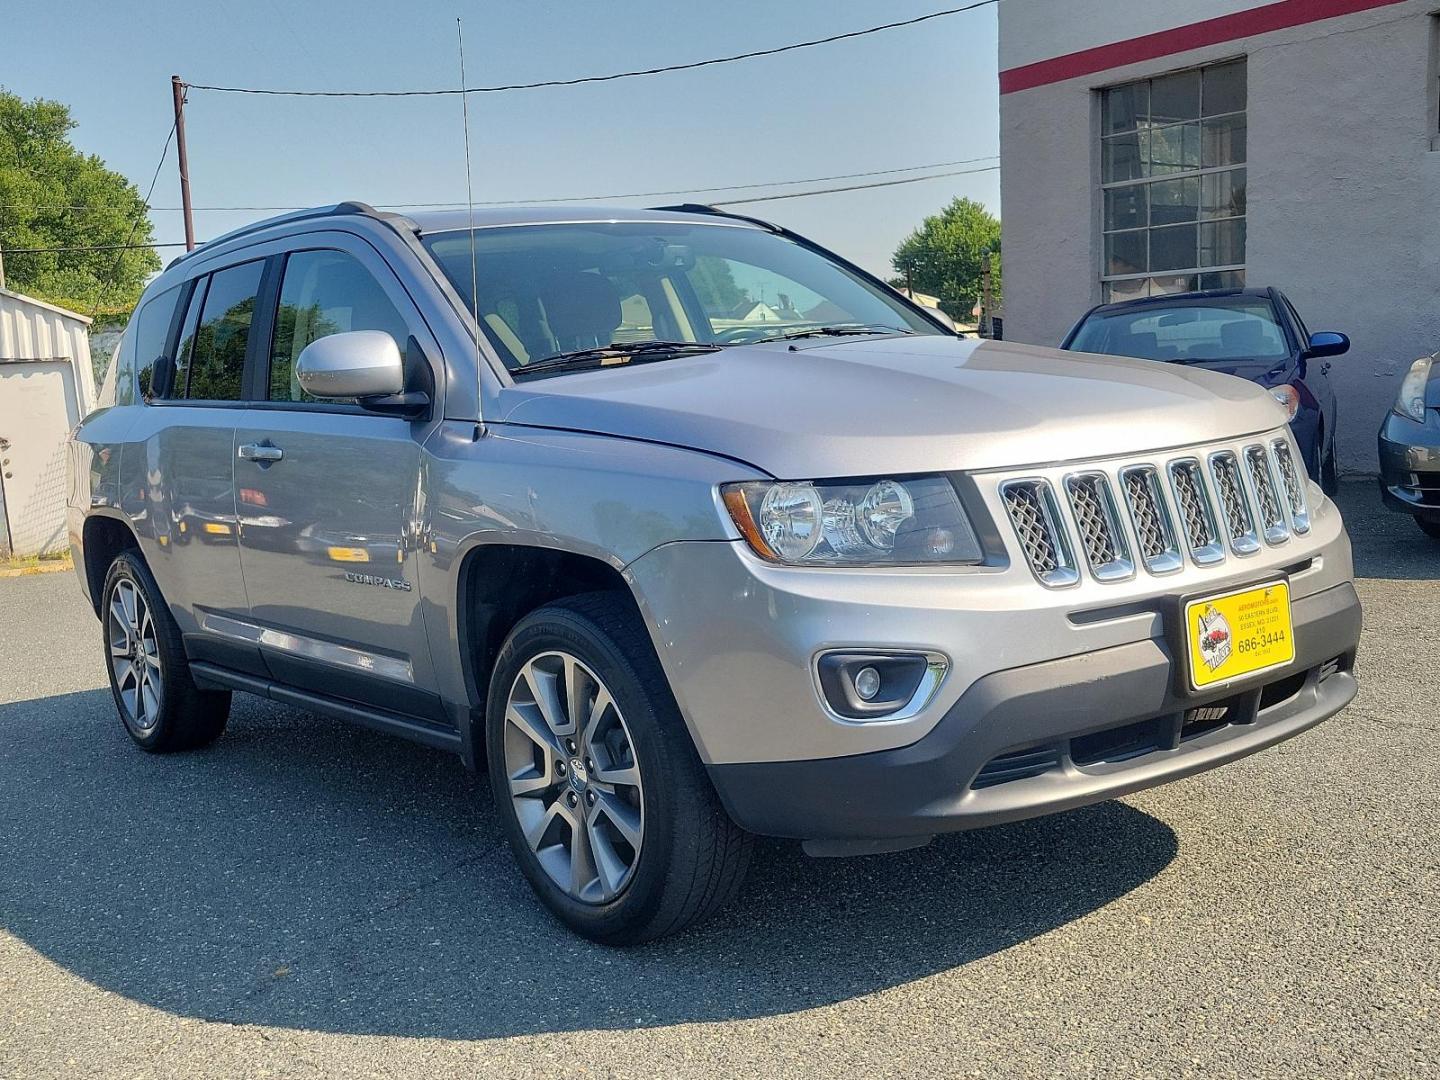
x: 601, y: 794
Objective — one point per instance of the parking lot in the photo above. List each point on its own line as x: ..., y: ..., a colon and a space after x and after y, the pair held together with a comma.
x: 305, y: 897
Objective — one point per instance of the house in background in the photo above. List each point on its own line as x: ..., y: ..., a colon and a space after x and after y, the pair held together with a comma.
x: 46, y: 386
x: 1155, y: 146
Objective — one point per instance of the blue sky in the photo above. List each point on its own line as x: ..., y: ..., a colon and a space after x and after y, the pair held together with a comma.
x: 905, y: 97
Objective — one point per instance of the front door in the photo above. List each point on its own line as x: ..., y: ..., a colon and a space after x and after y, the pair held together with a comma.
x: 327, y: 497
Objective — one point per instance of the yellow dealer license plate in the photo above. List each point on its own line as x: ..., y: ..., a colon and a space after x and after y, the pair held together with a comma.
x: 1239, y: 633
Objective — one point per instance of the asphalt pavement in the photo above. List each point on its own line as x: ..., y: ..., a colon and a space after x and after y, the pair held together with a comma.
x: 305, y: 898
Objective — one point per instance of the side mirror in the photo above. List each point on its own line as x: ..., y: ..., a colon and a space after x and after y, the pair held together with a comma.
x: 1327, y: 344
x: 357, y: 364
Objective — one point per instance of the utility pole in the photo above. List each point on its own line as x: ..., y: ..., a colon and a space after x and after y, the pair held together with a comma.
x: 177, y: 89
x: 2, y: 267
x: 987, y: 299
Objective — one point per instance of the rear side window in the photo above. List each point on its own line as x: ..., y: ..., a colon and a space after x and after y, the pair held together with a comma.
x: 150, y: 333
x: 324, y: 293
x: 220, y: 339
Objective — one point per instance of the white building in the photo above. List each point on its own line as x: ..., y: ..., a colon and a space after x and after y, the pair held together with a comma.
x: 46, y: 386
x: 1157, y: 145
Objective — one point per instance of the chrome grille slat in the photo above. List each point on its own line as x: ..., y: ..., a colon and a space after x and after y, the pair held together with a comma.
x: 1293, y: 485
x: 1234, y: 505
x: 1267, y: 498
x: 1102, y: 537
x: 1035, y: 516
x: 1154, y: 531
x: 1187, y: 480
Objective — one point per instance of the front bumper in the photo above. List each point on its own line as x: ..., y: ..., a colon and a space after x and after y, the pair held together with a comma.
x: 1049, y: 737
x: 1410, y: 466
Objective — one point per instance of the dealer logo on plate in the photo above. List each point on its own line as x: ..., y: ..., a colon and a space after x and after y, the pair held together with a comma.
x: 1214, y: 639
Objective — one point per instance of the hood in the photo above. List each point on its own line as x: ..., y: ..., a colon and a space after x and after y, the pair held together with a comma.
x: 866, y: 406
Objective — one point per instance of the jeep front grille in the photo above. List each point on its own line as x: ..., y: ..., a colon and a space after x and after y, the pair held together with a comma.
x: 1035, y: 516
x: 1293, y: 484
x: 1102, y: 537
x: 1154, y: 532
x: 1262, y: 482
x: 1188, y: 481
x: 1221, y: 503
x: 1239, y: 523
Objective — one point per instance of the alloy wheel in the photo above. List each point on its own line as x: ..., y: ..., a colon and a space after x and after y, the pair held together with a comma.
x: 134, y: 656
x: 574, y: 778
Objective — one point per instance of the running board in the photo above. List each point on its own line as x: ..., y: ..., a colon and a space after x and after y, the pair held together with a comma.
x: 213, y: 677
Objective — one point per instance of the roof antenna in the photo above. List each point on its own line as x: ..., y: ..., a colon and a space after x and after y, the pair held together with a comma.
x: 469, y: 196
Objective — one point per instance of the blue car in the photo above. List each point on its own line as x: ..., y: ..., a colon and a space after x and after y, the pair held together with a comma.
x: 1254, y: 333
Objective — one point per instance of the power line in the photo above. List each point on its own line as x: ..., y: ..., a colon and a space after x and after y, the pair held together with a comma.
x: 542, y: 202
x: 145, y: 202
x: 730, y: 202
x: 597, y: 78
x: 856, y: 187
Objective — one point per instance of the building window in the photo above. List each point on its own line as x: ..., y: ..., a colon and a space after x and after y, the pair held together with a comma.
x: 1172, y: 165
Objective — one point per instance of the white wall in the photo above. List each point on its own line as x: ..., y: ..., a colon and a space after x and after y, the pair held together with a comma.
x: 1342, y: 195
x: 1034, y: 30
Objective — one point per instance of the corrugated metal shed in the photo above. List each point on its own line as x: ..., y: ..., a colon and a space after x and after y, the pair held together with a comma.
x: 46, y: 386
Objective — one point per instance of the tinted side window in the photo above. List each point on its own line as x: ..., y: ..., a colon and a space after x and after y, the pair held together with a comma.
x: 217, y: 364
x: 150, y: 332
x: 324, y: 293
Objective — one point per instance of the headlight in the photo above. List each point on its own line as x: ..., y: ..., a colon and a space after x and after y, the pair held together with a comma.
x: 885, y: 522
x: 1289, y: 399
x: 1411, y: 401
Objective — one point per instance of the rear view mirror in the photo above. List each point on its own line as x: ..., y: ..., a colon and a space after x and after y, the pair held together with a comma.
x: 357, y: 364
x: 1327, y: 344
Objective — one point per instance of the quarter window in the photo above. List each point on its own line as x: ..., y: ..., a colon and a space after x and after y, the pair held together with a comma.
x: 217, y: 353
x: 324, y: 293
x: 151, y: 333
x: 1172, y: 162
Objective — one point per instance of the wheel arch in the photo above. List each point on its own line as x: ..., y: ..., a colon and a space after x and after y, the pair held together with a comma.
x: 498, y: 585
x: 103, y: 537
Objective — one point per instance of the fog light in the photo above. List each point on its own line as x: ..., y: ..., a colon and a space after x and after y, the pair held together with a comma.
x: 867, y: 683
x: 878, y: 686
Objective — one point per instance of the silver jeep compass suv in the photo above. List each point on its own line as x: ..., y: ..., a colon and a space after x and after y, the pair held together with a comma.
x: 689, y: 530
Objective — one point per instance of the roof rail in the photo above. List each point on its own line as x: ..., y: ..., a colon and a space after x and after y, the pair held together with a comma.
x: 340, y: 209
x: 715, y: 211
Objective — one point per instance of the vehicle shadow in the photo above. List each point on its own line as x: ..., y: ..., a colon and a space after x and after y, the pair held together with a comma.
x: 1387, y: 545
x: 304, y: 874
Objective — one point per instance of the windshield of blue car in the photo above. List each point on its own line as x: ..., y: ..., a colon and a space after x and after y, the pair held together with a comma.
x: 1216, y: 330
x: 547, y: 291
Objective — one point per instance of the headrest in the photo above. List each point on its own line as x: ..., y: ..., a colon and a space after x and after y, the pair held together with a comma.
x: 581, y: 306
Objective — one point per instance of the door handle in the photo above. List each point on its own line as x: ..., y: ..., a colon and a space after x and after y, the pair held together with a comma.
x: 260, y: 453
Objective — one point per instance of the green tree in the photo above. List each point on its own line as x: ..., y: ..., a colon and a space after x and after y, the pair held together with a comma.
x: 945, y: 256
x: 53, y: 195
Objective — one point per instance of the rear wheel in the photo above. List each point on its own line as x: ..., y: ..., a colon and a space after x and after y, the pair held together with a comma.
x: 158, y: 702
x: 601, y: 794
x: 1429, y: 528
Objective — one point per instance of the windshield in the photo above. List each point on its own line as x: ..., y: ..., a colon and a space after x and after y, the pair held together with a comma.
x: 1240, y: 329
x: 550, y: 290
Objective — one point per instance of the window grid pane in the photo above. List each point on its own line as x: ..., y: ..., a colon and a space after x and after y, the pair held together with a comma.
x: 1173, y: 155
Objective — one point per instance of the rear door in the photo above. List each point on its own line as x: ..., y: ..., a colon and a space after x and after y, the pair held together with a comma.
x: 177, y: 468
x: 329, y: 494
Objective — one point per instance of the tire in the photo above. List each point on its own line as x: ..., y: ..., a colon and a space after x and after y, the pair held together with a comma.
x: 618, y: 774
x: 158, y: 701
x: 1330, y: 472
x: 1429, y: 528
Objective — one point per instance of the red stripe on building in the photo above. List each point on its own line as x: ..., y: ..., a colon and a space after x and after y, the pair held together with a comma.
x: 1261, y: 20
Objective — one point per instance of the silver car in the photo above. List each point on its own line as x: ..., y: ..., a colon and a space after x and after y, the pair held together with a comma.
x: 688, y: 530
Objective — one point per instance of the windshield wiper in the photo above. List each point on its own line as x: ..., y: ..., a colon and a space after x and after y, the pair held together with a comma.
x: 843, y: 330
x: 624, y: 353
